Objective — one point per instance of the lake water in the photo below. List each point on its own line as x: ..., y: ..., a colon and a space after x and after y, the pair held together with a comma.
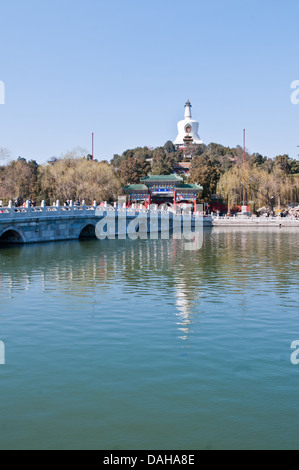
x: 144, y: 345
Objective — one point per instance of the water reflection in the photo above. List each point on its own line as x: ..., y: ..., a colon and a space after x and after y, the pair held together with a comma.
x: 183, y: 304
x: 232, y: 261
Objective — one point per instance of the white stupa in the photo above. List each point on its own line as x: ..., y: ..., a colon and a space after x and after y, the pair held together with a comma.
x: 187, y: 129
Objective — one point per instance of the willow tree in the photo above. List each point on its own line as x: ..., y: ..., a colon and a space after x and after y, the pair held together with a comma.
x: 78, y: 178
x: 230, y: 186
x: 261, y: 187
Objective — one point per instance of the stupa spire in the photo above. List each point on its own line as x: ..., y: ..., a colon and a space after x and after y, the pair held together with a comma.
x: 188, y: 110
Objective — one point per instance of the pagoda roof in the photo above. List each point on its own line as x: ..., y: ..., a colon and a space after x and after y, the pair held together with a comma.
x: 136, y: 187
x: 161, y: 178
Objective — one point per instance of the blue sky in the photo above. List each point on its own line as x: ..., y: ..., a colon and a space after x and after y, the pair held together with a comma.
x: 124, y: 70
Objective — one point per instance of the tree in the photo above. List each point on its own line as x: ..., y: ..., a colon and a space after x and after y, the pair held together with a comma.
x: 116, y: 160
x: 143, y: 152
x: 19, y: 179
x: 132, y: 169
x: 169, y: 147
x: 283, y: 163
x: 162, y: 163
x: 261, y: 187
x: 257, y: 159
x: 76, y: 152
x: 79, y: 179
x: 294, y: 166
x: 205, y: 173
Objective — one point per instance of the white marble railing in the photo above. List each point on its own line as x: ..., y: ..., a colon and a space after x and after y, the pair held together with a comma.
x: 256, y: 220
x: 56, y: 210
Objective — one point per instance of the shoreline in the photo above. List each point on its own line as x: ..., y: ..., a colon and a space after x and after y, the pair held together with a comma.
x: 275, y: 222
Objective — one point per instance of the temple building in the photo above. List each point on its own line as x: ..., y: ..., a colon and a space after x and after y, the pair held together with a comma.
x: 187, y: 130
x: 160, y: 189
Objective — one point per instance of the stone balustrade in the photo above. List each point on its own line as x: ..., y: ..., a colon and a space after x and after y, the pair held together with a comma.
x: 56, y: 210
x: 72, y: 210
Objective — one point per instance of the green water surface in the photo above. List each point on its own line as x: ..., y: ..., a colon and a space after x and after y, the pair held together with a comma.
x: 141, y: 344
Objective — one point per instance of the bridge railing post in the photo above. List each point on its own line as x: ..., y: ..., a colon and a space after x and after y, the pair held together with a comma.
x: 43, y: 206
x: 71, y: 207
x: 11, y: 209
x: 28, y: 208
x: 58, y: 210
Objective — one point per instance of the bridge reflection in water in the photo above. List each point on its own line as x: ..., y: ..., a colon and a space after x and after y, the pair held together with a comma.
x: 85, y: 273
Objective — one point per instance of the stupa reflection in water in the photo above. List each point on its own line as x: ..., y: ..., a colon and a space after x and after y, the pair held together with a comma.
x: 183, y: 310
x: 82, y: 274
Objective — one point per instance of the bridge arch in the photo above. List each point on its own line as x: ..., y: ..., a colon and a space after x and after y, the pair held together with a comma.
x: 11, y: 234
x: 88, y: 230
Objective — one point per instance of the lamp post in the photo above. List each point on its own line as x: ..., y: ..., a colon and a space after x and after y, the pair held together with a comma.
x: 243, y: 167
x: 92, y: 146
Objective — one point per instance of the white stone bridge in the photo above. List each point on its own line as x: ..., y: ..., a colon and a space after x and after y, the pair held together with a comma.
x: 43, y: 224
x: 53, y: 223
